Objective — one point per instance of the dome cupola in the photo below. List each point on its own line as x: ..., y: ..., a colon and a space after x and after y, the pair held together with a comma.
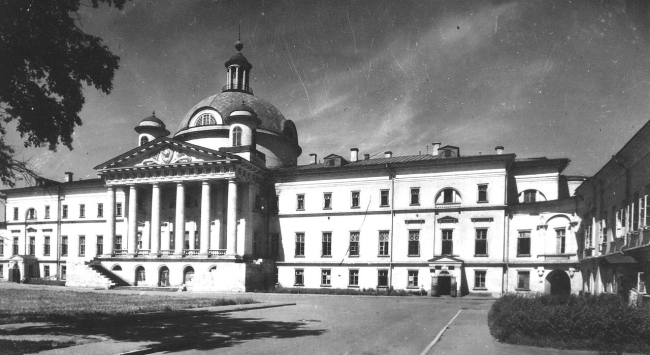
x: 238, y: 71
x: 150, y: 128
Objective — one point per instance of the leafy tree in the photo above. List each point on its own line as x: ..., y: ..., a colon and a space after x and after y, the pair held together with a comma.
x: 44, y: 60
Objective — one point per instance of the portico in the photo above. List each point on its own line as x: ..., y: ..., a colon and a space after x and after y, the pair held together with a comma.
x: 174, y: 188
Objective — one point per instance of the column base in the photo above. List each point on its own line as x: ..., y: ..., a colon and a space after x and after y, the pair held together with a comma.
x: 203, y: 255
x: 176, y: 256
x: 152, y: 256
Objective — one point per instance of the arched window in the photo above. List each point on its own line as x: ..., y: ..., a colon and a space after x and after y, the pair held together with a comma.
x: 205, y: 119
x: 116, y: 268
x: 188, y: 275
x: 448, y: 195
x: 236, y: 136
x: 144, y: 140
x: 531, y: 195
x: 139, y: 274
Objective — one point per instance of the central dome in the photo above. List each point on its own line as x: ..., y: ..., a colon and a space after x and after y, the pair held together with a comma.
x: 224, y: 103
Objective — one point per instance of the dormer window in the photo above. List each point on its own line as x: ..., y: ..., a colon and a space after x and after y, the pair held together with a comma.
x: 144, y: 140
x: 236, y: 136
x: 205, y: 119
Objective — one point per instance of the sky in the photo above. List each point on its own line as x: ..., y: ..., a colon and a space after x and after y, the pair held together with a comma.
x: 561, y: 79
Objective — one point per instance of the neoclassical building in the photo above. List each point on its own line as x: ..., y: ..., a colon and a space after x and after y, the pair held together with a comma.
x: 222, y: 205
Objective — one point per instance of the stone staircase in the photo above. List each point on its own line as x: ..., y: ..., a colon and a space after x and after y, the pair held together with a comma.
x: 115, y: 280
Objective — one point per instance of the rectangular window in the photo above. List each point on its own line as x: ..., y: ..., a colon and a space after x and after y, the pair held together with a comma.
x: 2, y: 248
x: 413, y: 278
x: 327, y: 201
x: 414, y: 243
x: 355, y: 199
x: 447, y: 242
x: 300, y: 244
x: 15, y: 246
x: 523, y: 280
x: 634, y: 211
x: 46, y: 271
x: 64, y: 274
x: 415, y: 196
x: 383, y: 243
x: 64, y: 211
x: 299, y: 279
x: 274, y: 245
x: 354, y: 278
x: 186, y: 240
x: 354, y: 243
x: 82, y: 245
x: 64, y: 245
x: 100, y: 210
x: 327, y: 244
x: 15, y: 213
x: 118, y: 242
x: 100, y: 245
x: 326, y: 277
x: 139, y: 241
x: 561, y: 240
x: 300, y: 202
x: 482, y: 193
x: 118, y: 209
x: 523, y: 243
x: 382, y: 278
x: 47, y: 212
x: 82, y: 211
x: 2, y: 274
x: 32, y: 246
x: 384, y: 198
x: 479, y: 278
x: 480, y: 246
x: 46, y: 246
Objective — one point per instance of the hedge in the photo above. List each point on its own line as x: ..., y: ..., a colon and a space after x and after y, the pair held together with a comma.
x: 36, y: 281
x: 344, y: 291
x: 601, y: 322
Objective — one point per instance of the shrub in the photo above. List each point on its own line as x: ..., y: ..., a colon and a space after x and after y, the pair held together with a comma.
x: 344, y: 291
x: 44, y: 281
x: 600, y: 322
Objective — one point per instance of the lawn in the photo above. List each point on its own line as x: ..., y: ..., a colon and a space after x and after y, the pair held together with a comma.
x: 29, y: 305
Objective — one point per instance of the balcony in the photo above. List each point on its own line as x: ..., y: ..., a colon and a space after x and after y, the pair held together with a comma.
x: 217, y: 252
x: 556, y: 257
x: 191, y: 252
x: 120, y: 252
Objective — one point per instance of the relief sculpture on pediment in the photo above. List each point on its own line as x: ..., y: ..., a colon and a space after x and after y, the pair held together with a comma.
x: 168, y: 156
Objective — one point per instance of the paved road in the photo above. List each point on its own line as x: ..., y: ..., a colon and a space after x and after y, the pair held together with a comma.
x: 335, y: 325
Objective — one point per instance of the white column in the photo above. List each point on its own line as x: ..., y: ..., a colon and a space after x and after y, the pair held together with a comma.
x: 109, y: 238
x: 231, y: 223
x: 236, y: 86
x: 155, y: 219
x: 179, y: 225
x: 133, y: 219
x: 205, y: 218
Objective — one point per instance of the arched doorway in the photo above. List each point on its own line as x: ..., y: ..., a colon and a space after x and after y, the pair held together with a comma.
x: 558, y: 283
x: 163, y: 277
x: 139, y: 275
x: 188, y: 275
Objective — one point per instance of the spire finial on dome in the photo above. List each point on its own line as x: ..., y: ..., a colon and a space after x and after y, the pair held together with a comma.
x: 154, y: 113
x: 238, y: 44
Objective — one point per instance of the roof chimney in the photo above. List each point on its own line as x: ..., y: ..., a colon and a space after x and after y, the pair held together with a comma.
x: 388, y: 154
x: 314, y: 158
x: 354, y: 155
x: 366, y: 157
x: 499, y: 149
x: 68, y: 176
x: 434, y: 148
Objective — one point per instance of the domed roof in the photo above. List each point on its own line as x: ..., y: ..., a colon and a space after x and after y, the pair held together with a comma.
x: 226, y: 102
x: 152, y: 121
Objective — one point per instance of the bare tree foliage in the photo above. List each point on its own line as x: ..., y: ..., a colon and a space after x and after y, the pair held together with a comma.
x: 45, y: 58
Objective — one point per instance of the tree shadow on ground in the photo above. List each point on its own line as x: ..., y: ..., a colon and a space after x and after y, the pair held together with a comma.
x: 177, y: 330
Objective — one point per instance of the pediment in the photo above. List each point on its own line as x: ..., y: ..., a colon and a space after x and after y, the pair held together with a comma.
x: 447, y: 219
x: 164, y: 151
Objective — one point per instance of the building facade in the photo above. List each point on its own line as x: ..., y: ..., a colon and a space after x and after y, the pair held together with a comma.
x: 222, y: 205
x: 614, y: 240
